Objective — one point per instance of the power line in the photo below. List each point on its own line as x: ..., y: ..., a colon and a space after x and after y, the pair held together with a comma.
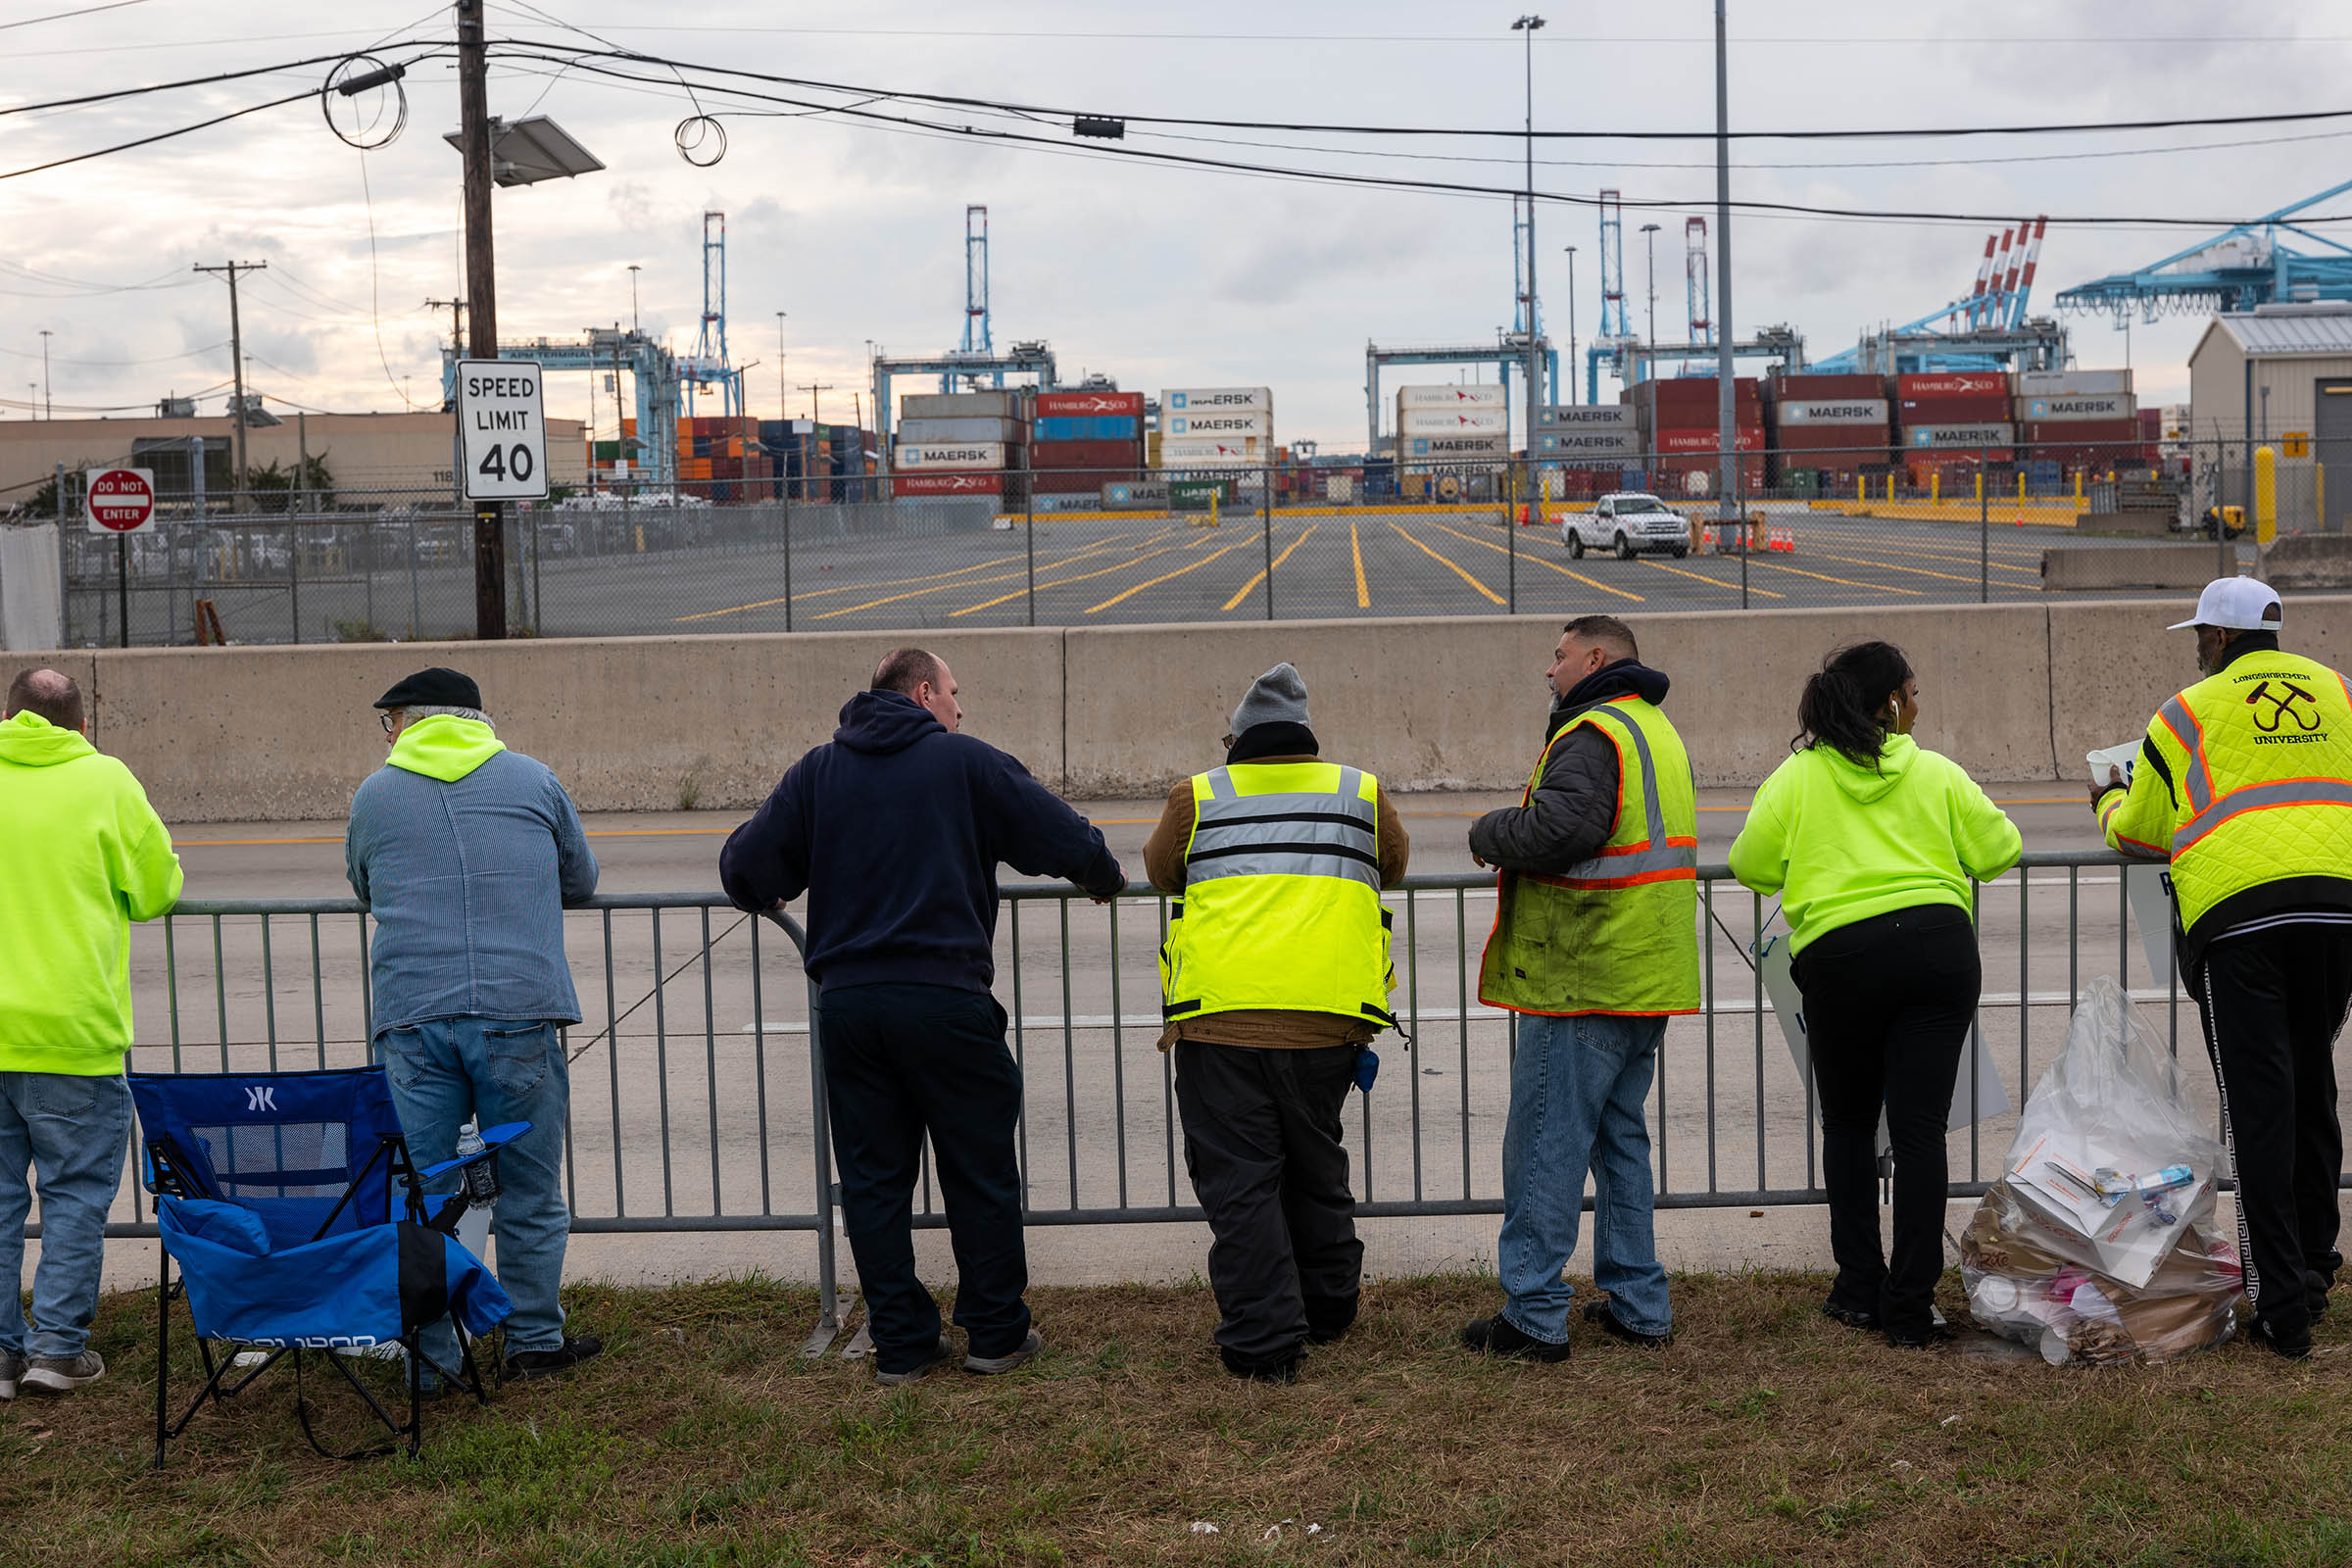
x: 118, y: 365
x: 59, y: 15
x: 161, y: 135
x: 192, y: 81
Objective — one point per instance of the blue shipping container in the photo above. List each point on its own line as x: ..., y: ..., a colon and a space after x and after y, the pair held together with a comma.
x: 1089, y: 427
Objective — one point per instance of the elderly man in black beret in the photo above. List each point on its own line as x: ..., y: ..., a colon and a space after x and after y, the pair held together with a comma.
x: 466, y: 853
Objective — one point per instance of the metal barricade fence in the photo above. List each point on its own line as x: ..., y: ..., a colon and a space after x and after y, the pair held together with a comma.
x: 686, y: 1116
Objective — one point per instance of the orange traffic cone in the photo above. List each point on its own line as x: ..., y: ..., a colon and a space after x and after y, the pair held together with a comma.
x: 1706, y: 541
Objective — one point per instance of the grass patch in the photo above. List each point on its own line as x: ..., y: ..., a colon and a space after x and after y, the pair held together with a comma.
x: 1765, y: 1435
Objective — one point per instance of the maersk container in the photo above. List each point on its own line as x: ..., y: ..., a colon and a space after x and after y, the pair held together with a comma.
x: 1088, y: 427
x: 1467, y: 445
x: 961, y: 404
x: 1955, y: 408
x: 1455, y: 421
x: 1217, y: 424
x: 1215, y: 400
x: 974, y: 429
x: 926, y: 455
x: 2069, y: 408
x: 1410, y: 398
x: 1983, y: 434
x: 1854, y: 412
x: 2071, y: 383
x: 1585, y: 416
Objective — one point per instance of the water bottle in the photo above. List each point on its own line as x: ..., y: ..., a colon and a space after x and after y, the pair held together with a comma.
x: 481, y: 1181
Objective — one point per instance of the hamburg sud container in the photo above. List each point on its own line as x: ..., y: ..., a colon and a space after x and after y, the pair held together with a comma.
x: 1087, y: 404
x: 1416, y: 399
x: 947, y: 484
x: 1454, y: 421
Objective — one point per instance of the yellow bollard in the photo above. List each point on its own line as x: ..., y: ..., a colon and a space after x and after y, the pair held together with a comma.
x: 1861, y: 487
x: 1979, y: 486
x: 640, y: 527
x: 1934, y: 486
x: 1890, y: 487
x: 2078, y: 501
x: 2265, y: 495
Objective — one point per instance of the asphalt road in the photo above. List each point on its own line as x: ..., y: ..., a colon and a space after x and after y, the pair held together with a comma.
x: 1057, y: 572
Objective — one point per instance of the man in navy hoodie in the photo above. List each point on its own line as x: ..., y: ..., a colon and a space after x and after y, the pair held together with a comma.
x: 894, y: 830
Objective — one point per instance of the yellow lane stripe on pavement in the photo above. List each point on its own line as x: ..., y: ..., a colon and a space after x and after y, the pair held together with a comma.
x: 1490, y: 594
x: 845, y: 588
x: 1080, y: 577
x: 1720, y: 582
x: 1874, y: 587
x: 1356, y: 547
x: 1541, y: 561
x: 1919, y: 571
x: 1166, y: 575
x: 1244, y: 591
x: 1091, y: 553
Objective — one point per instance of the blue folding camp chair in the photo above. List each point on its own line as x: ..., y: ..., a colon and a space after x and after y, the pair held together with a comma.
x: 274, y: 1195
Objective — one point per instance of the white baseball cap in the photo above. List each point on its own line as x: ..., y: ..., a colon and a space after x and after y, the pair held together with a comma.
x: 2236, y: 603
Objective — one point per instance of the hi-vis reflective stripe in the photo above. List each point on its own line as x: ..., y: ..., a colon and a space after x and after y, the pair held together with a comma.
x: 2262, y: 798
x: 1655, y: 860
x: 1287, y: 834
x: 2191, y: 735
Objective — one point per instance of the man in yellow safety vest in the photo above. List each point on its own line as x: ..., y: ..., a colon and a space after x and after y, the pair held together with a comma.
x: 1595, y: 945
x: 2244, y: 783
x: 1274, y: 977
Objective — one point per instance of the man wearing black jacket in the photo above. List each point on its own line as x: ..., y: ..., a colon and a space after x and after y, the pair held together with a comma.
x: 895, y: 830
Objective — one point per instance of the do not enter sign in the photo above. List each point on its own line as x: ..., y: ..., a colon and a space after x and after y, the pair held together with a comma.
x: 119, y: 500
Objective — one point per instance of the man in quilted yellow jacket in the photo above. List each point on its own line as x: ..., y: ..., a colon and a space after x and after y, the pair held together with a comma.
x: 2243, y: 782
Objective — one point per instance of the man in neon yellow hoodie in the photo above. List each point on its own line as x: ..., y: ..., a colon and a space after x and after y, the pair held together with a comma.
x: 82, y: 856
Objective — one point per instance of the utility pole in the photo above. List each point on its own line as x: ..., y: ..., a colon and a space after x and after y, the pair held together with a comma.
x: 1726, y: 404
x: 457, y: 320
x: 1651, y: 230
x: 1572, y: 323
x: 48, y: 408
x: 481, y: 291
x: 237, y: 356
x: 634, y: 269
x: 813, y: 390
x: 1526, y: 26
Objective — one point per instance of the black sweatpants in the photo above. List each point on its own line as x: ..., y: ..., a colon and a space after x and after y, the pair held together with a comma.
x: 1888, y: 1001
x: 2273, y: 1003
x: 1261, y: 1139
x: 903, y: 1060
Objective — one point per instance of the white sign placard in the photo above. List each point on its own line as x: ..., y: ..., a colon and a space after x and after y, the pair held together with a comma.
x: 502, y: 438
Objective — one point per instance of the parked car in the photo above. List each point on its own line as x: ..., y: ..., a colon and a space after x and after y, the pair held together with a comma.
x: 1628, y: 521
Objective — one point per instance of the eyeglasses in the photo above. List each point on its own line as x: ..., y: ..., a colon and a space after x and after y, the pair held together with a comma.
x: 383, y: 716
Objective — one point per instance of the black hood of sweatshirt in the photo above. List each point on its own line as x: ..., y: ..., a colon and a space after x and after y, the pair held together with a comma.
x: 879, y: 723
x: 1627, y: 677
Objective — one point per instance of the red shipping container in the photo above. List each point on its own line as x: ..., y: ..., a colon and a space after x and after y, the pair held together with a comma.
x: 947, y: 484
x: 1674, y: 474
x: 1085, y: 454
x: 2086, y: 433
x: 1746, y: 438
x: 1952, y: 383
x: 1076, y: 481
x: 1963, y: 408
x: 1055, y: 404
x: 1693, y: 391
x: 1825, y: 388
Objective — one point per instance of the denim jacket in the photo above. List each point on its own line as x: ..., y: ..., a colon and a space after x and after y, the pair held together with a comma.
x: 468, y: 878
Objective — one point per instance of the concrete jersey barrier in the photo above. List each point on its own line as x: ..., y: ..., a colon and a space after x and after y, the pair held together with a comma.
x: 2015, y: 693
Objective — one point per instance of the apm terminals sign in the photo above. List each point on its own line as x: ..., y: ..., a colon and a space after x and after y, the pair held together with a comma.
x: 502, y: 439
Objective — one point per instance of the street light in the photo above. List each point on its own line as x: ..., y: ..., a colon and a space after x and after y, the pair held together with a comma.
x: 1526, y: 26
x: 48, y: 410
x: 1571, y: 324
x: 1651, y: 230
x: 634, y: 269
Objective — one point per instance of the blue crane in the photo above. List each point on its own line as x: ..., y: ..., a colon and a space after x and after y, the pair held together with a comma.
x: 2234, y: 270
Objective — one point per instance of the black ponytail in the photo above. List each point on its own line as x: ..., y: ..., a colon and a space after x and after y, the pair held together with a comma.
x: 1844, y: 704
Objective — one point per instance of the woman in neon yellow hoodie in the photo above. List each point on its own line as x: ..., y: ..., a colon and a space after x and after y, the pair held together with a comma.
x: 1872, y: 842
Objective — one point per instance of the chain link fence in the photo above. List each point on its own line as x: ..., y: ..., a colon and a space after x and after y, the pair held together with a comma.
x: 1827, y: 526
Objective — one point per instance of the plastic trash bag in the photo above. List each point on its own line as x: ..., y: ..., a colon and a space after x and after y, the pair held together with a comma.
x: 2098, y: 1243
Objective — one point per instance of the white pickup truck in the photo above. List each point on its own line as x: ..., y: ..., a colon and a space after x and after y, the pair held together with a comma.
x: 1628, y: 521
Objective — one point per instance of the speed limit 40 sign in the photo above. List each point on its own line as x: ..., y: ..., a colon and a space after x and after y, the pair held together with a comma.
x: 502, y: 439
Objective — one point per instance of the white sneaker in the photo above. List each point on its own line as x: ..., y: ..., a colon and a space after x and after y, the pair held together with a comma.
x: 63, y: 1374
x: 12, y: 1367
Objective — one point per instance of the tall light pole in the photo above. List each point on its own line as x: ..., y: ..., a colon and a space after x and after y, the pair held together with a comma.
x: 1652, y: 231
x: 48, y: 407
x: 782, y: 413
x: 634, y: 269
x: 1570, y: 322
x: 1526, y: 26
x: 1726, y: 426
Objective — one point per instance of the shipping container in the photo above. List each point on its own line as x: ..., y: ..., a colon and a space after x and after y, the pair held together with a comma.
x: 1086, y: 455
x: 1136, y: 494
x: 912, y: 454
x: 1587, y: 416
x: 1861, y: 413
x: 1214, y: 399
x: 1466, y: 446
x: 1087, y: 405
x: 947, y: 484
x: 1006, y: 405
x: 1812, y: 387
x: 1692, y: 391
x: 1216, y: 424
x: 1746, y: 438
x: 2099, y: 408
x: 1183, y: 452
x: 1603, y: 446
x: 2073, y: 383
x: 1454, y: 421
x: 1983, y: 434
x: 2084, y: 433
x: 1078, y: 481
x: 981, y: 428
x: 1697, y: 477
x: 1952, y: 383
x: 1955, y: 408
x: 1489, y: 396
x: 1089, y: 427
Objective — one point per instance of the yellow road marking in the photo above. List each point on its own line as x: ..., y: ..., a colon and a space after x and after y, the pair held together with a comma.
x: 1165, y: 576
x: 1243, y: 591
x: 886, y: 582
x: 1998, y: 563
x: 1718, y: 582
x: 1356, y: 547
x: 1490, y: 594
x: 1541, y: 561
x: 1922, y: 571
x: 1874, y: 587
x: 1091, y: 553
x: 1082, y: 576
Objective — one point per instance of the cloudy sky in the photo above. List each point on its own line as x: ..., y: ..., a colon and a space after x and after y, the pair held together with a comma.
x: 1156, y: 276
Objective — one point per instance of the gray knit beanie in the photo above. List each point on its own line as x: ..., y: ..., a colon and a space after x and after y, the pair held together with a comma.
x: 1278, y: 696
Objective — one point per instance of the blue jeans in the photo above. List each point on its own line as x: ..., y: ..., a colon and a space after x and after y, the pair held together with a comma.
x: 1578, y: 1089
x: 447, y: 1069
x: 71, y: 1131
